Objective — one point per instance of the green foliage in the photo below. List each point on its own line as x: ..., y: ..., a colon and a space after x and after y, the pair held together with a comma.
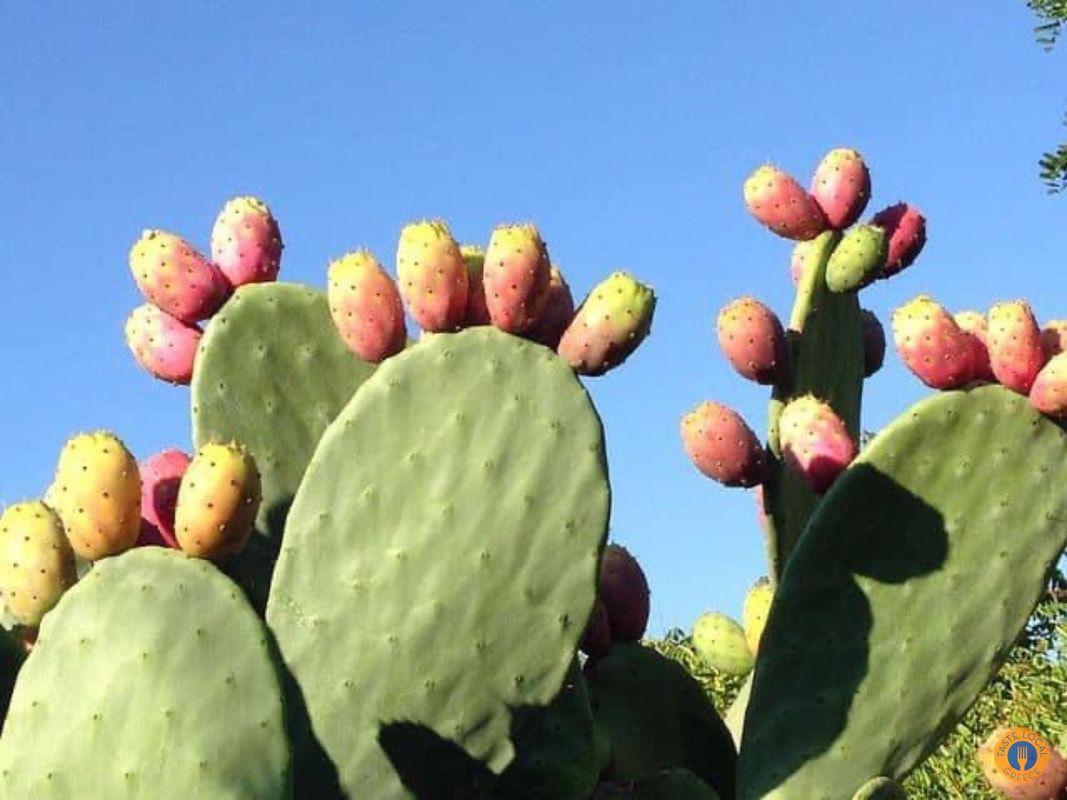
x: 1053, y: 16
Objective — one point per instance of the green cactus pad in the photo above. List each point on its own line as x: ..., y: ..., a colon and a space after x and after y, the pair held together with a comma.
x: 11, y: 657
x: 858, y: 259
x: 441, y: 555
x: 826, y: 353
x: 915, y: 576
x: 152, y: 677
x: 272, y: 373
x: 880, y: 789
x: 657, y: 716
x: 735, y: 714
x: 670, y: 784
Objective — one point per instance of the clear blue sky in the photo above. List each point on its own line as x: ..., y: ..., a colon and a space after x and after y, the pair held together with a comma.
x: 624, y: 133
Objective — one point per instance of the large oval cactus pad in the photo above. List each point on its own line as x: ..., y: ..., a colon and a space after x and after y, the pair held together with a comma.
x: 152, y: 677
x: 907, y: 590
x: 272, y: 373
x: 441, y: 555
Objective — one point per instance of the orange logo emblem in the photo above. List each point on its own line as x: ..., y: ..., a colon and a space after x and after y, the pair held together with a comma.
x: 1021, y: 755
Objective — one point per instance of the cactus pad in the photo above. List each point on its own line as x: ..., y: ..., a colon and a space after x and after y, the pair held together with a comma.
x: 906, y: 592
x: 133, y: 672
x: 11, y: 657
x: 272, y: 373
x: 441, y: 555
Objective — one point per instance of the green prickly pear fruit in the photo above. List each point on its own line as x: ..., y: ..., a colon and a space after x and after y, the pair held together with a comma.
x: 1054, y: 337
x: 815, y: 443
x: 218, y: 500
x: 97, y: 493
x: 778, y: 202
x: 516, y: 276
x: 841, y: 186
x: 858, y: 259
x: 1015, y: 352
x: 174, y: 277
x: 365, y: 307
x: 433, y: 278
x: 36, y: 561
x: 246, y: 242
x: 975, y: 329
x: 477, y: 312
x: 721, y: 642
x: 873, y: 343
x: 754, y: 612
x: 557, y: 313
x: 880, y: 789
x: 722, y: 446
x: 609, y: 326
x: 753, y: 340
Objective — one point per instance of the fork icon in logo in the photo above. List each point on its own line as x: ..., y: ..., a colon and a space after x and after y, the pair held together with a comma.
x: 1022, y: 754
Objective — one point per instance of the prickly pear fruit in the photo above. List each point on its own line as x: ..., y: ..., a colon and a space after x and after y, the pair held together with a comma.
x: 218, y: 500
x: 722, y: 445
x: 873, y: 343
x: 174, y: 277
x: 365, y: 306
x: 721, y: 642
x: 858, y: 259
x: 624, y: 591
x: 1054, y: 337
x: 596, y: 641
x: 932, y: 345
x: 161, y: 475
x: 815, y: 443
x: 611, y: 323
x: 1015, y: 352
x: 1049, y: 392
x: 841, y: 186
x: 761, y: 507
x: 433, y: 278
x: 976, y: 330
x: 517, y: 274
x: 246, y: 242
x: 753, y: 340
x: 754, y: 612
x: 557, y: 313
x: 777, y: 201
x: 477, y: 311
x: 905, y: 229
x: 1052, y: 781
x: 97, y: 493
x: 36, y: 561
x: 162, y: 345
x: 798, y: 261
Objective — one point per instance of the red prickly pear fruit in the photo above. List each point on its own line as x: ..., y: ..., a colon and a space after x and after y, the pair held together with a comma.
x: 777, y: 201
x: 1049, y: 392
x: 722, y: 446
x: 163, y: 346
x: 596, y: 641
x: 613, y: 320
x: 161, y: 475
x: 841, y: 186
x: 557, y: 313
x: 624, y: 592
x: 905, y: 228
x: 753, y: 340
x: 976, y: 329
x: 246, y: 242
x: 365, y: 307
x: 174, y: 277
x: 516, y: 277
x: 815, y: 443
x: 1014, y: 343
x: 1049, y: 785
x: 932, y: 345
x: 218, y: 500
x: 477, y: 311
x: 433, y: 278
x: 873, y: 343
x: 761, y: 507
x: 36, y: 561
x: 798, y: 261
x: 1054, y: 337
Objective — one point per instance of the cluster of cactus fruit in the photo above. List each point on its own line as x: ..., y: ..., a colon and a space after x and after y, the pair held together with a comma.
x: 385, y: 570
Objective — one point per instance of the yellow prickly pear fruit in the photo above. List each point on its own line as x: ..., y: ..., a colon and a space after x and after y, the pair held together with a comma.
x: 36, y: 561
x: 218, y: 499
x: 754, y: 612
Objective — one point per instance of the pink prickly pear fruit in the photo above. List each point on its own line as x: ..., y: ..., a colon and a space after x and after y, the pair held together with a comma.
x: 477, y: 311
x: 36, y: 561
x: 841, y: 186
x: 753, y: 340
x: 1049, y: 392
x: 1014, y: 343
x: 777, y: 201
x: 218, y: 499
x: 1048, y: 786
x: 905, y: 228
x: 366, y: 307
x: 610, y: 325
x: 815, y: 443
x: 932, y: 345
x: 798, y: 261
x: 873, y: 343
x: 161, y: 475
x: 174, y: 277
x: 624, y: 592
x: 975, y: 328
x: 722, y: 446
x: 163, y: 346
x: 97, y: 493
x: 246, y: 242
x: 434, y: 282
x: 1054, y: 337
x: 517, y: 277
x: 761, y: 507
x: 557, y: 313
x: 596, y: 641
